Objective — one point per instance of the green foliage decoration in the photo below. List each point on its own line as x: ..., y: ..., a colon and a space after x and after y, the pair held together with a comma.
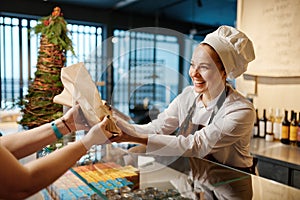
x: 54, y: 28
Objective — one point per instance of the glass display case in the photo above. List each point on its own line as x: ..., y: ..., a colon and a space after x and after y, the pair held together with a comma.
x: 120, y: 174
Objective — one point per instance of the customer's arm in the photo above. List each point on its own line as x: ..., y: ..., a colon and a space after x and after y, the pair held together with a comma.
x: 20, y: 181
x: 24, y: 143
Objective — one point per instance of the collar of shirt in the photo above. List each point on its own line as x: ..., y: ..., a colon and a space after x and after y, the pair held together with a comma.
x: 211, y: 104
x: 203, y: 114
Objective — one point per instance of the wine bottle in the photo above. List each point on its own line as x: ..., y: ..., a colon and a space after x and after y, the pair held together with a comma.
x: 298, y: 132
x: 262, y: 125
x: 277, y: 124
x: 293, y: 129
x: 292, y: 115
x: 255, y: 130
x: 269, y: 126
x: 285, y: 131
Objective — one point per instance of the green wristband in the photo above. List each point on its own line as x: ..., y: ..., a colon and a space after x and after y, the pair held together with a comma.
x: 56, y: 131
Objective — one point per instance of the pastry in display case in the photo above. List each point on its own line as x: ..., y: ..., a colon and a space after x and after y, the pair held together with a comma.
x: 93, y: 181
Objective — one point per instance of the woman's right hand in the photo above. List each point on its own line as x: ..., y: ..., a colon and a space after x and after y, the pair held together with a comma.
x: 128, y: 134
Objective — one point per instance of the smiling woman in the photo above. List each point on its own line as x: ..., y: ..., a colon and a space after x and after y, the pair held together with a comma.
x: 217, y: 120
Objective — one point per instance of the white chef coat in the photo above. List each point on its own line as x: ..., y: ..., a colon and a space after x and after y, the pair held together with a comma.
x: 227, y: 137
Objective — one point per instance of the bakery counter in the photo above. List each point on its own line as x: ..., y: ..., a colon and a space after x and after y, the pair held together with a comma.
x: 122, y: 175
x: 277, y: 161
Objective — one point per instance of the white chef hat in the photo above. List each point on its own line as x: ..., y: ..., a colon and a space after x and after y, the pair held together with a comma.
x: 234, y: 48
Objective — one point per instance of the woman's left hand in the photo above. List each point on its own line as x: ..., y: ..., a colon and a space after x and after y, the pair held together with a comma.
x: 75, y: 119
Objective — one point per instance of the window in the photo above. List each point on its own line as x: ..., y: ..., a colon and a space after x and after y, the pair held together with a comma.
x: 146, y: 69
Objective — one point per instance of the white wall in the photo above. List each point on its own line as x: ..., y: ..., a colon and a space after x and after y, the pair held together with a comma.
x: 272, y: 92
x: 273, y: 78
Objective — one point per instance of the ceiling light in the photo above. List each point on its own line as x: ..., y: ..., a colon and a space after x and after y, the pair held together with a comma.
x: 124, y: 3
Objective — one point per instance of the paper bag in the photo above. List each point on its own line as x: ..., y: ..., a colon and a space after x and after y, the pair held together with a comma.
x: 79, y: 87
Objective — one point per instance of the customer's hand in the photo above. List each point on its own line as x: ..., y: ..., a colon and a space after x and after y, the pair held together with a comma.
x: 74, y: 119
x: 97, y: 134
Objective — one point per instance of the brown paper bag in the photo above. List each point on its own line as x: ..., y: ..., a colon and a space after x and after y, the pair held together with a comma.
x: 79, y: 87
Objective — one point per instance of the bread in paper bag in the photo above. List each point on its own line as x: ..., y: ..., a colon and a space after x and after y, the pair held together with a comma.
x: 80, y: 88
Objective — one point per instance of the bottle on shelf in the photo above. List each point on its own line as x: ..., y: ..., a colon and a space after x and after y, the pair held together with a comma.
x: 262, y: 125
x: 293, y: 129
x: 269, y: 126
x: 255, y: 131
x: 298, y: 132
x: 277, y: 125
x: 285, y: 130
x: 292, y: 115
